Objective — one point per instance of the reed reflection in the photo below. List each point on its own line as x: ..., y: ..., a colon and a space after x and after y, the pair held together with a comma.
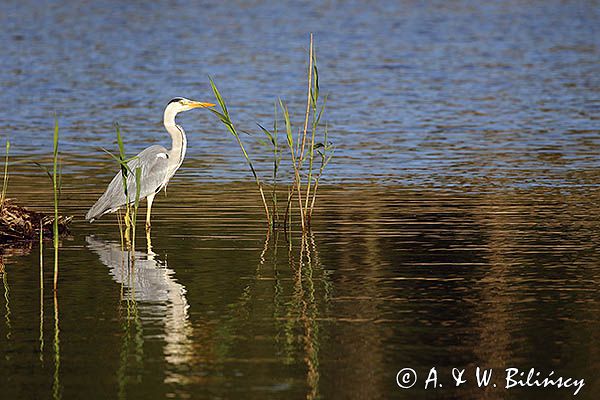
x: 6, y: 298
x: 299, y: 290
x: 56, y: 386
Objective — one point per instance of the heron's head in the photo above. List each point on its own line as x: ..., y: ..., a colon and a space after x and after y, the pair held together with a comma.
x: 179, y: 104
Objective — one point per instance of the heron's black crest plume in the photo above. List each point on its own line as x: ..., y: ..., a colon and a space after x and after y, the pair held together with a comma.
x: 175, y: 99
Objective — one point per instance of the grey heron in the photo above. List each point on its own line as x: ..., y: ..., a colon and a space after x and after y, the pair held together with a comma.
x: 158, y: 165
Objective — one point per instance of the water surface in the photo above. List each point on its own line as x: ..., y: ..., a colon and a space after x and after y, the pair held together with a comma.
x: 457, y: 225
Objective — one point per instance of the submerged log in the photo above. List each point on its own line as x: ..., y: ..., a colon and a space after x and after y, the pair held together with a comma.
x: 19, y: 223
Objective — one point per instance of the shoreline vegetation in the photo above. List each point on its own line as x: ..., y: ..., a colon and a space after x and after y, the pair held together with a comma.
x: 310, y: 151
x: 18, y: 223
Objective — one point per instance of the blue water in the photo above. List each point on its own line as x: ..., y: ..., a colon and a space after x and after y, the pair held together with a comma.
x: 443, y: 93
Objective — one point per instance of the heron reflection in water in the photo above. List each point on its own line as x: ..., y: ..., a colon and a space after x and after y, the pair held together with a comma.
x: 151, y: 284
x: 157, y: 164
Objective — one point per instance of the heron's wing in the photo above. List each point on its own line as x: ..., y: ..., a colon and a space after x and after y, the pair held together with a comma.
x: 153, y: 162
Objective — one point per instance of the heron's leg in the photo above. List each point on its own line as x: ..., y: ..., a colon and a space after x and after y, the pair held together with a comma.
x: 149, y: 199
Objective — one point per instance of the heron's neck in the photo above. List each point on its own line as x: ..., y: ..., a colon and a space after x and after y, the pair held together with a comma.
x: 177, y: 135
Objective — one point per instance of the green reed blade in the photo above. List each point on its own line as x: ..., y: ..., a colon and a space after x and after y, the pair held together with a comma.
x: 5, y: 182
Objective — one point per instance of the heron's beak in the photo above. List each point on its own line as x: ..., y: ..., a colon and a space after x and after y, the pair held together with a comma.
x: 197, y: 104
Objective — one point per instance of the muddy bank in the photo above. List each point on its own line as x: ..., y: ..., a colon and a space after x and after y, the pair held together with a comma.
x: 19, y: 223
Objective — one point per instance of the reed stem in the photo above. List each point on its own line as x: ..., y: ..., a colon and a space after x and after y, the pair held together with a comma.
x: 308, y: 97
x: 314, y: 96
x: 55, y: 189
x: 130, y: 217
x: 226, y: 119
x: 303, y: 135
x: 5, y: 182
